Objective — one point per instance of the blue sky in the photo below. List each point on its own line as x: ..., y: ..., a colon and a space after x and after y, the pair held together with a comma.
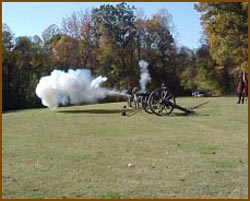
x: 32, y: 18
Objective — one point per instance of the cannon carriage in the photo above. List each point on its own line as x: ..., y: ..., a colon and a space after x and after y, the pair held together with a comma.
x: 161, y: 102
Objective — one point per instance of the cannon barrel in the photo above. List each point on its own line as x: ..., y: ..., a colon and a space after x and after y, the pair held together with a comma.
x: 143, y: 94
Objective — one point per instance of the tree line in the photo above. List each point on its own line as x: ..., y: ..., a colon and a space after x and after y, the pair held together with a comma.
x: 111, y: 40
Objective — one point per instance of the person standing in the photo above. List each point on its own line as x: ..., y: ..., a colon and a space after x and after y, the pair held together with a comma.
x: 242, y: 87
x: 135, y: 97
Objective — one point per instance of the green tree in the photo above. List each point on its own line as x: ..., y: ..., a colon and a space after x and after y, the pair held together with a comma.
x: 24, y: 62
x: 7, y: 67
x: 200, y: 72
x: 24, y: 79
x: 184, y: 60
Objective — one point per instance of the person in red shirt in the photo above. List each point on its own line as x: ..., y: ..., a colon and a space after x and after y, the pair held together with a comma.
x: 242, y: 87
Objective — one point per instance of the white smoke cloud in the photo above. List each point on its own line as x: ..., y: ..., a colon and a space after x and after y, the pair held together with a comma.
x: 96, y: 82
x: 145, y: 76
x: 72, y: 87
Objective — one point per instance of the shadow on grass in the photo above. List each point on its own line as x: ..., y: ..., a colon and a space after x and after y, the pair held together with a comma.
x: 95, y: 111
x: 185, y: 114
x: 130, y: 112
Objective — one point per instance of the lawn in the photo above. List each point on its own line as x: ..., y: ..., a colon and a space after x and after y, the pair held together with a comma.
x: 93, y: 152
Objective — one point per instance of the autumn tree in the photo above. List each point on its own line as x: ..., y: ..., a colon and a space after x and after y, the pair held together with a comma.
x: 226, y: 28
x: 65, y: 52
x: 50, y: 32
x: 115, y: 30
x: 159, y: 46
x: 80, y: 27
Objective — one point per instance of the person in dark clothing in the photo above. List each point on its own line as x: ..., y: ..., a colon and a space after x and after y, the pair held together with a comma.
x: 242, y: 87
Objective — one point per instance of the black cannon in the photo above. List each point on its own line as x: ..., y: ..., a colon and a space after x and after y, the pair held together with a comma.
x: 142, y: 101
x: 161, y: 102
x: 144, y: 97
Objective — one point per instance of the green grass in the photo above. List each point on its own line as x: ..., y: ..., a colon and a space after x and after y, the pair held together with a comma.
x: 84, y: 152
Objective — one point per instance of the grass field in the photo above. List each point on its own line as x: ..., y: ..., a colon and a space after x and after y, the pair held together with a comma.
x: 84, y: 152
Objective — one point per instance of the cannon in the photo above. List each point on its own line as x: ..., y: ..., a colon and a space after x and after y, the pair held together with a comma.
x: 161, y: 102
x: 142, y: 98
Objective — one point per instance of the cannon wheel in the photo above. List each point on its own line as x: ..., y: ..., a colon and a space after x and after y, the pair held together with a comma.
x: 145, y: 104
x: 161, y: 104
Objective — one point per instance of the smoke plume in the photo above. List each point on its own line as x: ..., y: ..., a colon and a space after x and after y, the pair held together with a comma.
x: 72, y: 87
x: 145, y: 76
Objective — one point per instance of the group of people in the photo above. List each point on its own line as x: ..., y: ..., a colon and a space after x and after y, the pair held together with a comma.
x: 242, y: 87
